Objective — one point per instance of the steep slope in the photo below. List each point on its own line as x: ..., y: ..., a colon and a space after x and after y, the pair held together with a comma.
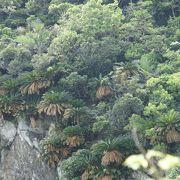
x: 77, y: 76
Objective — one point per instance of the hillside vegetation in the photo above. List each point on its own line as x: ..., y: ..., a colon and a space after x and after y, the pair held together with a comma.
x: 97, y: 69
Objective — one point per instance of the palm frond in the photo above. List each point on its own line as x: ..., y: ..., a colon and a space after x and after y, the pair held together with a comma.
x: 173, y: 136
x: 112, y: 157
x: 103, y: 91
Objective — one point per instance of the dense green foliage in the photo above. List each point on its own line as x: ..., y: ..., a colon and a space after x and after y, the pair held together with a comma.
x: 96, y: 69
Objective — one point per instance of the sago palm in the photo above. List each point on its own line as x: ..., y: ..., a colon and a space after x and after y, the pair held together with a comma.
x: 52, y: 153
x: 34, y: 83
x: 75, y: 114
x: 104, y: 90
x: 109, y: 150
x: 169, y: 126
x: 123, y: 72
x: 11, y: 104
x: 53, y: 104
x: 73, y: 136
x: 35, y: 86
x: 9, y: 86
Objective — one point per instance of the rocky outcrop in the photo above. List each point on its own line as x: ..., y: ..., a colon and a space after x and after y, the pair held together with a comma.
x: 7, y: 134
x: 19, y: 151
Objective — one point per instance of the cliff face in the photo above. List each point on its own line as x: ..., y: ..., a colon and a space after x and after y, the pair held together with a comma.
x: 19, y: 153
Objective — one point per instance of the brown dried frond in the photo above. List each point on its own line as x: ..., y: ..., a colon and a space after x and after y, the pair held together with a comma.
x: 51, y: 109
x: 55, y: 154
x: 103, y: 91
x: 60, y: 151
x: 14, y: 109
x: 35, y: 87
x: 173, y: 136
x: 64, y: 152
x: 53, y: 160
x: 105, y: 178
x: 67, y: 113
x: 50, y: 148
x: 112, y: 157
x: 85, y: 175
x: 74, y: 141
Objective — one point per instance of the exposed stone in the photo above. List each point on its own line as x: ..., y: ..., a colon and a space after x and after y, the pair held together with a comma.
x: 7, y: 134
x: 20, y: 159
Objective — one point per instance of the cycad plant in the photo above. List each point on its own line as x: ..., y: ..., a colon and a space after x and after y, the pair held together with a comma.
x: 76, y: 114
x: 52, y: 153
x: 168, y: 126
x: 35, y: 86
x: 10, y: 86
x: 11, y: 104
x: 73, y: 136
x: 79, y: 165
x: 104, y: 90
x: 123, y: 72
x: 52, y: 149
x: 53, y: 103
x: 109, y: 150
x: 89, y: 160
x: 34, y: 83
x: 10, y: 101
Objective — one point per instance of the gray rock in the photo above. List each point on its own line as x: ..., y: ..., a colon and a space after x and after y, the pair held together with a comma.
x: 7, y: 134
x: 20, y: 161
